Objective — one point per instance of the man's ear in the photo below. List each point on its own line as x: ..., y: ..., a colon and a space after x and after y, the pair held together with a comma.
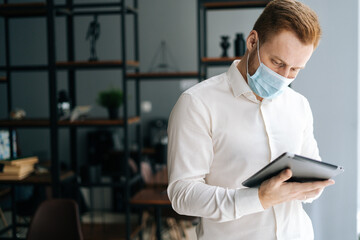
x: 251, y: 40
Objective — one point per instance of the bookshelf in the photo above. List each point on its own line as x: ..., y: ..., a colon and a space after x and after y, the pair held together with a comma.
x: 162, y: 75
x: 86, y: 123
x: 50, y: 11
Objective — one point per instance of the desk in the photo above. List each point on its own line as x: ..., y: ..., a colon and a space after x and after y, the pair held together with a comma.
x: 155, y: 196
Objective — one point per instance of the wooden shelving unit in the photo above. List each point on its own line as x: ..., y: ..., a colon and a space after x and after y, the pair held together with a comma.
x: 36, y: 9
x: 78, y: 123
x: 50, y: 11
x: 96, y: 64
x: 23, y: 9
x: 163, y: 75
x: 99, y: 122
x: 25, y: 123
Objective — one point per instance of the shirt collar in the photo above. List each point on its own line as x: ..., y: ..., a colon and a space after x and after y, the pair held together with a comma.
x: 239, y: 85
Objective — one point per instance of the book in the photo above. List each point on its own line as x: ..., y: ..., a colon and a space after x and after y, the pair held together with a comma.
x: 20, y: 161
x: 15, y: 169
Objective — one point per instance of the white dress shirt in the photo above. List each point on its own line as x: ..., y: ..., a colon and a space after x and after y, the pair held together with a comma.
x: 219, y: 135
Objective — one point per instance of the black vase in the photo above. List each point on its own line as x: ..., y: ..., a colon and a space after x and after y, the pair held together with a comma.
x: 113, y: 113
x: 239, y: 45
x: 224, y: 44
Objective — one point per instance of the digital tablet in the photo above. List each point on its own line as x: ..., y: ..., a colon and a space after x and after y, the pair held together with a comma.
x: 303, y: 170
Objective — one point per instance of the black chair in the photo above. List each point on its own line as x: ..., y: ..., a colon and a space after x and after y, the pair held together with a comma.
x: 56, y: 219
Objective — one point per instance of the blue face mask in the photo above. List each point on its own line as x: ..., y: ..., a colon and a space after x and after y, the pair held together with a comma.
x: 265, y: 82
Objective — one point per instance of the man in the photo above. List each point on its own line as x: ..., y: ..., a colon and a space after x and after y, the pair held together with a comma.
x: 226, y: 128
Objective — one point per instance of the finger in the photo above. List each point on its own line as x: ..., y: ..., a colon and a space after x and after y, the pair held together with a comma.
x: 283, y: 176
x: 313, y: 193
x: 309, y: 186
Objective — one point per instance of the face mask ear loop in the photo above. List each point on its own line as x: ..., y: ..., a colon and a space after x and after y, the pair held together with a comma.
x: 247, y: 64
x: 247, y: 60
x: 258, y: 50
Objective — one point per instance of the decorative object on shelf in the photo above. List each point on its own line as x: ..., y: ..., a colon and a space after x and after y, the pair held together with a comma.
x: 79, y: 112
x: 225, y: 44
x: 112, y: 100
x: 92, y: 35
x: 163, y: 53
x: 63, y: 105
x: 239, y: 45
x: 17, y: 114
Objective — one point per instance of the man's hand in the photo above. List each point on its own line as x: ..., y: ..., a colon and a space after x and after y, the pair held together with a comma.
x: 276, y: 190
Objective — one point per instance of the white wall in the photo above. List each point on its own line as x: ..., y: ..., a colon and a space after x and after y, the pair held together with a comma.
x: 330, y: 82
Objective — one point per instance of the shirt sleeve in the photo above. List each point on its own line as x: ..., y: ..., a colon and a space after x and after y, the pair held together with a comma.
x: 190, y: 155
x: 309, y: 146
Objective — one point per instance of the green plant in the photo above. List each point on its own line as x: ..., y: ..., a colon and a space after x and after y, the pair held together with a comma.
x: 111, y: 98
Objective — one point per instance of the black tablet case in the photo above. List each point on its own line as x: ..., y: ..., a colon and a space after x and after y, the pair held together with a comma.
x: 303, y: 170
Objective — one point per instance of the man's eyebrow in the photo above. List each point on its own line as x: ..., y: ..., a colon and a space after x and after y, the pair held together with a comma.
x: 278, y: 58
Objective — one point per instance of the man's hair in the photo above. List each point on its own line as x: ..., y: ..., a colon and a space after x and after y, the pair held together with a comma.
x: 290, y: 15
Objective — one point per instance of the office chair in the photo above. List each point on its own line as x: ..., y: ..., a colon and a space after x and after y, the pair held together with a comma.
x: 56, y: 219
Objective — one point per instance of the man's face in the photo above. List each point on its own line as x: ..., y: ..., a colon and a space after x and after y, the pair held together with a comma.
x: 283, y: 53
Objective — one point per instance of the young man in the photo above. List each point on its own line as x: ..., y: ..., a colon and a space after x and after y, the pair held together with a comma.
x: 226, y: 128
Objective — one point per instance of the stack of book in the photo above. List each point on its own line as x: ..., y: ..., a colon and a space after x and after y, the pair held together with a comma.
x: 17, y: 169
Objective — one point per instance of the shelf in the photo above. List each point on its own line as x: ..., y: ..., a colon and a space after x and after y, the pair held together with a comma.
x: 115, y: 9
x: 24, y: 123
x: 36, y: 9
x: 99, y: 122
x: 75, y: 65
x: 78, y: 123
x: 23, y: 9
x: 3, y: 80
x: 96, y: 64
x: 234, y: 4
x: 43, y: 178
x: 25, y: 68
x: 163, y: 75
x: 220, y: 61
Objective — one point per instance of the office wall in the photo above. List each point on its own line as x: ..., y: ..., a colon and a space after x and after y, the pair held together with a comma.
x: 330, y: 82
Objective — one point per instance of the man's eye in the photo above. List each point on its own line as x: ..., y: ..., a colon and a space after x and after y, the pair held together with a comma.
x: 276, y: 63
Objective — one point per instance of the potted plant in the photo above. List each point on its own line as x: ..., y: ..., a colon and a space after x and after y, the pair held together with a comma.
x: 112, y: 100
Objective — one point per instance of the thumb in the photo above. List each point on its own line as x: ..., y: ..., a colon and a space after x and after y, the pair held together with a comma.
x: 284, y: 176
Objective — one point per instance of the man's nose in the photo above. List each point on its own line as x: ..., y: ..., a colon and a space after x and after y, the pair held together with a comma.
x: 285, y: 72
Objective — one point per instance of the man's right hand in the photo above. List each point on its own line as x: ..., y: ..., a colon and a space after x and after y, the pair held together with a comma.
x: 276, y: 190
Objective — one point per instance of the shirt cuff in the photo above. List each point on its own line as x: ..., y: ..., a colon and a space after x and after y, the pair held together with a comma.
x: 247, y: 202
